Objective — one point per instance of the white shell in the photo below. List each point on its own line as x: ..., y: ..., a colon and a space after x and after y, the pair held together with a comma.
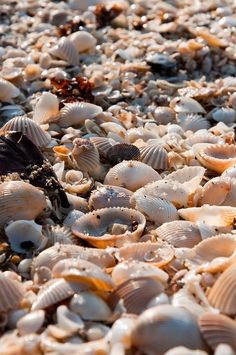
x: 77, y: 112
x: 193, y: 122
x: 186, y: 105
x: 8, y: 91
x: 46, y: 108
x: 66, y: 50
x: 224, y: 114
x: 68, y: 320
x: 83, y: 41
x: 31, y: 323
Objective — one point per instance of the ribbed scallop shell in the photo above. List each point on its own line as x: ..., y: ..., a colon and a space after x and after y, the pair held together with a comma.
x: 29, y: 128
x: 163, y: 327
x: 224, y: 114
x: 193, y: 122
x: 20, y: 200
x: 186, y: 105
x: 218, y: 157
x: 11, y: 293
x: 8, y: 91
x: 66, y: 50
x: 164, y: 115
x: 75, y: 113
x: 110, y: 227
x: 218, y: 329
x: 131, y: 174
x: 83, y: 41
x: 123, y: 151
x: 223, y: 293
x: 201, y: 138
x: 189, y: 176
x: 103, y: 144
x: 46, y: 109
x: 109, y: 196
x: 155, y: 156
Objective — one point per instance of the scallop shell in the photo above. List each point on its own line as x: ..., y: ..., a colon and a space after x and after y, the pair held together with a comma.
x: 218, y: 329
x: 193, y: 122
x: 103, y: 144
x: 8, y: 91
x: 223, y: 293
x: 186, y: 105
x: 203, y: 137
x: 29, y: 128
x: 75, y: 114
x: 109, y: 196
x: 131, y: 174
x: 189, y: 176
x: 123, y: 151
x: 224, y: 114
x: 83, y: 41
x: 20, y: 200
x: 46, y: 109
x: 218, y: 157
x: 11, y: 293
x: 151, y: 333
x: 164, y: 115
x: 65, y: 49
x: 31, y: 322
x: 155, y: 156
x: 110, y: 226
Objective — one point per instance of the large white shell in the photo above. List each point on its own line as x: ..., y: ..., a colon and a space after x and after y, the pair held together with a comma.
x: 164, y: 115
x: 46, y: 108
x: 193, y: 122
x: 83, y: 41
x: 66, y: 50
x: 77, y: 112
x: 8, y: 91
x: 109, y: 196
x: 186, y: 105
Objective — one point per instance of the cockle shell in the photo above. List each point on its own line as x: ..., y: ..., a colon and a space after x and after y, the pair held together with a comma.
x: 46, y: 109
x: 164, y: 115
x: 75, y: 114
x: 123, y: 151
x: 155, y: 156
x: 109, y: 196
x: 31, y: 322
x: 103, y: 144
x: 131, y: 174
x: 189, y: 176
x: 110, y: 226
x: 20, y: 200
x: 186, y: 105
x: 224, y: 114
x: 8, y: 91
x: 215, y: 191
x: 29, y: 128
x: 193, y: 122
x: 65, y: 49
x: 218, y: 157
x: 201, y: 137
x: 83, y: 41
x: 11, y: 293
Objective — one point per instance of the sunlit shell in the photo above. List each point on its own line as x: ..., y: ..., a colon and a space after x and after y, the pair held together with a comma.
x: 230, y: 172
x: 31, y: 322
x: 155, y: 156
x: 83, y: 41
x: 133, y: 134
x: 215, y: 191
x: 151, y: 334
x: 11, y: 293
x: 223, y: 293
x: 193, y: 122
x: 201, y: 138
x: 186, y: 105
x: 68, y: 320
x: 218, y: 329
x: 213, y: 215
x: 75, y: 114
x: 218, y: 157
x: 109, y: 196
x: 189, y: 176
x: 182, y: 350
x: 20, y: 200
x: 164, y: 115
x: 131, y: 174
x: 184, y: 298
x: 103, y: 144
x: 224, y: 114
x: 110, y: 226
x: 65, y: 49
x: 29, y: 128
x: 77, y: 182
x: 123, y: 151
x: 8, y: 91
x: 46, y: 108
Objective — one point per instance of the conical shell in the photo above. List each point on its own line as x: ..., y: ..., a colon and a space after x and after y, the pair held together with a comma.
x: 193, y: 122
x: 75, y: 114
x: 123, y: 151
x: 20, y: 200
x: 66, y: 50
x: 110, y: 227
x: 109, y: 196
x: 46, y: 108
x: 83, y: 41
x: 131, y: 174
x: 31, y: 322
x: 29, y: 128
x: 155, y: 156
x: 186, y: 105
x: 11, y: 293
x: 218, y: 157
x: 8, y: 91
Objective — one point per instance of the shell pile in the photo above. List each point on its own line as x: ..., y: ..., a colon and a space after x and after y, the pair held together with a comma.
x: 118, y: 177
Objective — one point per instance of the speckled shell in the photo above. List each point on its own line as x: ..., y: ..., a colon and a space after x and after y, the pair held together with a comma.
x: 83, y: 41
x: 109, y: 196
x: 164, y: 115
x: 193, y: 122
x: 11, y: 293
x: 155, y: 156
x: 218, y: 157
x: 29, y: 128
x: 20, y: 200
x: 131, y: 174
x: 186, y: 105
x: 46, y: 109
x: 65, y: 50
x: 123, y: 151
x: 110, y: 227
x: 75, y: 114
x: 8, y: 91
x: 85, y: 154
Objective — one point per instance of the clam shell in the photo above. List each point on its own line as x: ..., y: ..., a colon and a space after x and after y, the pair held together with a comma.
x: 46, y: 109
x: 218, y: 157
x: 11, y: 293
x: 8, y: 91
x: 164, y: 115
x: 109, y: 196
x: 193, y: 122
x: 31, y: 323
x: 131, y: 174
x: 29, y: 128
x: 186, y: 105
x: 110, y: 226
x: 75, y: 114
x: 123, y: 151
x: 103, y: 144
x: 215, y: 191
x: 218, y: 329
x: 155, y: 156
x: 20, y: 200
x: 83, y: 41
x: 66, y: 50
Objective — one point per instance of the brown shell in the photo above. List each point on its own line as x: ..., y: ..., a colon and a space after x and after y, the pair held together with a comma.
x: 218, y: 157
x: 11, y: 293
x: 155, y: 156
x: 123, y: 151
x: 109, y: 196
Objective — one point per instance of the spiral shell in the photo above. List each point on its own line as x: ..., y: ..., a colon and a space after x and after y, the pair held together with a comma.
x: 46, y: 109
x: 75, y: 114
x: 8, y: 91
x: 218, y: 157
x: 109, y: 196
x: 83, y: 41
x: 66, y: 50
x: 11, y: 293
x: 155, y: 156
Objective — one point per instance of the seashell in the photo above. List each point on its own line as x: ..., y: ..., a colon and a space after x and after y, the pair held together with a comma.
x: 151, y: 333
x: 90, y: 307
x: 186, y: 105
x: 155, y: 209
x: 68, y: 320
x: 109, y: 196
x: 20, y: 200
x: 103, y: 144
x: 78, y: 203
x: 224, y: 114
x: 32, y: 72
x: 155, y: 156
x: 232, y: 100
x: 31, y: 322
x: 224, y: 349
x: 217, y: 157
x: 8, y: 91
x: 42, y: 275
x: 25, y: 235
x: 131, y: 174
x: 46, y: 109
x: 110, y: 226
x: 75, y: 114
x: 164, y: 115
x: 200, y: 137
x: 160, y: 61
x: 182, y: 350
x: 218, y: 329
x: 14, y: 316
x: 193, y: 122
x: 57, y: 234
x: 123, y: 151
x: 83, y: 41
x: 72, y: 217
x: 65, y: 50
x: 222, y: 295
x: 11, y: 293
x: 29, y: 128
x: 184, y: 298
x: 218, y: 216
x: 230, y: 172
x: 76, y: 182
x: 215, y: 191
x: 96, y: 331
x: 188, y: 176
x: 133, y: 134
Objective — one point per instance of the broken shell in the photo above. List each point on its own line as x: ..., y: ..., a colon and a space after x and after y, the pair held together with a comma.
x: 31, y: 322
x: 8, y: 91
x: 186, y: 105
x: 123, y: 151
x: 189, y: 176
x: 75, y: 114
x: 11, y: 293
x: 218, y: 157
x: 110, y: 226
x: 155, y: 156
x: 83, y: 41
x: 65, y: 50
x: 46, y: 109
x: 164, y: 115
x: 109, y: 196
